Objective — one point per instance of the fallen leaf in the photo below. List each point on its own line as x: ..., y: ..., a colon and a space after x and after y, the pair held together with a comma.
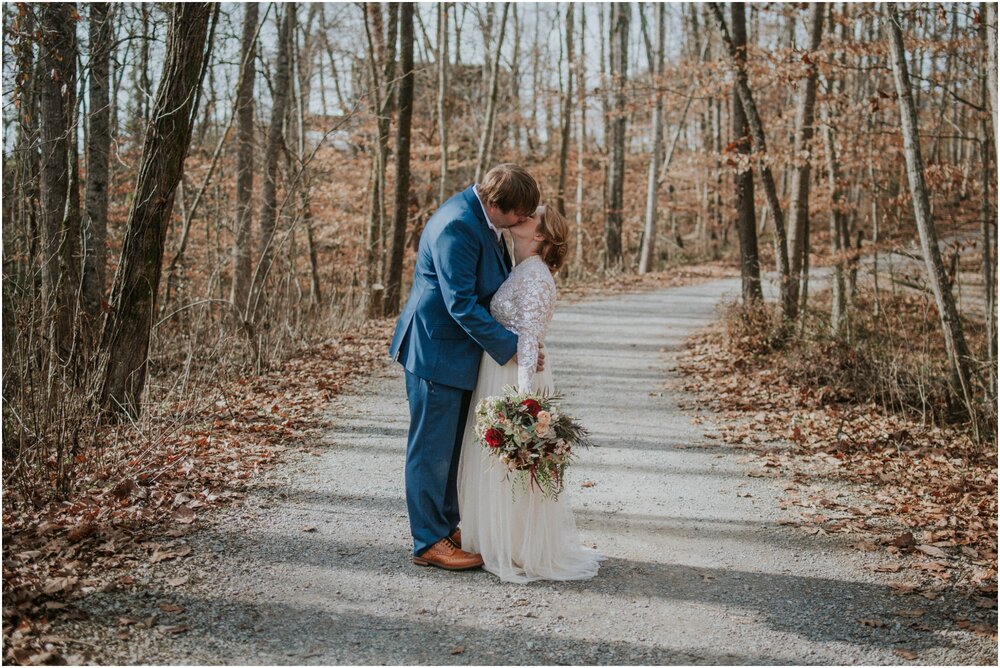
x: 309, y: 529
x: 911, y: 613
x: 903, y: 540
x: 173, y: 630
x: 184, y: 515
x: 874, y: 623
x: 587, y: 483
x: 887, y: 568
x: 458, y: 650
x: 932, y: 551
x: 906, y: 654
x: 171, y: 607
x: 176, y: 582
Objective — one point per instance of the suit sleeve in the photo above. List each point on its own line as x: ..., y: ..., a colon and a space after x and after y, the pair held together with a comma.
x: 456, y: 256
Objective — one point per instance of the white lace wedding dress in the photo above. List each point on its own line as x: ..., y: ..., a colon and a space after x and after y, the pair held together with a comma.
x: 521, y: 535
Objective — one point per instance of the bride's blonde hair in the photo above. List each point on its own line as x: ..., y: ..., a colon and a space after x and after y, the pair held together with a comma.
x: 555, y: 229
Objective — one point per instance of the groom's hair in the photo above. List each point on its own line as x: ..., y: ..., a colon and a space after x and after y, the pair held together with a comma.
x: 510, y: 188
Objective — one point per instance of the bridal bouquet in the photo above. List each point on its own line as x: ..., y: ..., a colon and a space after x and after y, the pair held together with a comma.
x: 528, y: 433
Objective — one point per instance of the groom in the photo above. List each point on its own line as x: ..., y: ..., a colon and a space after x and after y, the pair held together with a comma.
x: 440, y: 337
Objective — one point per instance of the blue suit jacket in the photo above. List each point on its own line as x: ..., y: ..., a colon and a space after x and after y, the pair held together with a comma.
x: 446, y: 324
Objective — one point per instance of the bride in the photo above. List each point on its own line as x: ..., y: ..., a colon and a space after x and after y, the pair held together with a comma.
x: 521, y: 535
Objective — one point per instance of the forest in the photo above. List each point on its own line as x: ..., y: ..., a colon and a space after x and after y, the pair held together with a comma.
x: 198, y: 196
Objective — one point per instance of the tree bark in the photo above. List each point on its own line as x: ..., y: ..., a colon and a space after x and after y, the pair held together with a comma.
x: 620, y: 13
x: 647, y: 257
x: 394, y: 277
x: 122, y: 358
x: 442, y: 98
x: 951, y: 325
x: 275, y: 142
x: 242, y: 253
x: 838, y: 237
x: 567, y: 113
x: 798, y: 215
x: 95, y: 222
x: 581, y: 137
x: 746, y: 212
x: 991, y: 68
x: 486, y: 139
x: 760, y: 153
x: 60, y: 215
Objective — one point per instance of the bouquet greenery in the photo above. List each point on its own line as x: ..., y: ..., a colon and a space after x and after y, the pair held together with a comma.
x: 529, y: 435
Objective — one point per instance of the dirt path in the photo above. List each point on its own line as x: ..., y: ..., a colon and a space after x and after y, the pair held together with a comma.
x: 314, y: 567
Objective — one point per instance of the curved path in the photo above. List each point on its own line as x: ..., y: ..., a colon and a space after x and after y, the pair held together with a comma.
x: 314, y: 567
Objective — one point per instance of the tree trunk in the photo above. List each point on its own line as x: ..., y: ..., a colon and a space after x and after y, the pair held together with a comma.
x: 60, y: 215
x: 381, y: 62
x: 647, y: 257
x: 485, y: 154
x: 442, y: 99
x: 304, y: 62
x: 746, y: 212
x: 125, y: 337
x: 798, y: 215
x: 567, y: 113
x: 394, y: 277
x: 581, y: 137
x: 989, y: 212
x: 951, y: 325
x: 275, y: 142
x: 616, y: 173
x: 837, y: 228
x: 95, y: 223
x: 760, y: 152
x: 991, y: 68
x: 244, y: 161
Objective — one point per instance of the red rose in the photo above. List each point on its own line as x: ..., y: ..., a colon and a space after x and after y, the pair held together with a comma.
x: 493, y: 438
x: 533, y: 407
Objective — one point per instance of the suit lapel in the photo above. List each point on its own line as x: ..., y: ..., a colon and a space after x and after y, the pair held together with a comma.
x: 484, y: 228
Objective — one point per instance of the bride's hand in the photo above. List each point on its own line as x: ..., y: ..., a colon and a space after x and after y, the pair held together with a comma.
x: 541, y: 360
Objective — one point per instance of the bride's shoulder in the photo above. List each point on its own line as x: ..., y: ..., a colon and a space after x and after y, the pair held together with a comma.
x: 535, y: 269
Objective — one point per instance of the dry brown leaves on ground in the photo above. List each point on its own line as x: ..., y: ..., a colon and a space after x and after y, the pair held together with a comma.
x: 56, y: 554
x: 926, y: 497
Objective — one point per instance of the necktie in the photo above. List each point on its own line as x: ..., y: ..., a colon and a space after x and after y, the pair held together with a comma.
x: 506, y: 252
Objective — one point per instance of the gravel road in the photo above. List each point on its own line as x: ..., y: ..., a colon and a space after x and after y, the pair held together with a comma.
x: 314, y: 567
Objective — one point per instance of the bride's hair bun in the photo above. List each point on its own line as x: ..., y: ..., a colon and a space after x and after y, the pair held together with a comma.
x: 555, y: 247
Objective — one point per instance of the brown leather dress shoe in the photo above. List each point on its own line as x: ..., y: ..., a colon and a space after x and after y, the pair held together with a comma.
x: 456, y: 537
x: 444, y: 554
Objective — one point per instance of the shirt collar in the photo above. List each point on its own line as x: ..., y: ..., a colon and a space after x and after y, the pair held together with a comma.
x: 497, y: 232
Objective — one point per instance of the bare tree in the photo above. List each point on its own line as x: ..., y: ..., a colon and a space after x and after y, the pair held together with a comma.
x: 581, y: 137
x: 951, y: 325
x: 394, y: 275
x: 442, y: 98
x: 798, y: 215
x: 123, y: 354
x: 990, y: 20
x: 620, y: 14
x: 275, y: 144
x: 567, y: 113
x: 244, y: 160
x: 760, y: 153
x: 381, y: 64
x: 485, y: 154
x: 746, y: 211
x: 647, y: 257
x: 60, y: 205
x: 95, y: 222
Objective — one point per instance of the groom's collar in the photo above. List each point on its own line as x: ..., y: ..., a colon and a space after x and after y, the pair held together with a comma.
x: 495, y: 230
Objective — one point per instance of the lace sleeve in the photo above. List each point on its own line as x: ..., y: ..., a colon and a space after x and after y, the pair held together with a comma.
x: 538, y: 299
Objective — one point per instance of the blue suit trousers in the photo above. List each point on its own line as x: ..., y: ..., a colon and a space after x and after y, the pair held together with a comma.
x: 433, y: 447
